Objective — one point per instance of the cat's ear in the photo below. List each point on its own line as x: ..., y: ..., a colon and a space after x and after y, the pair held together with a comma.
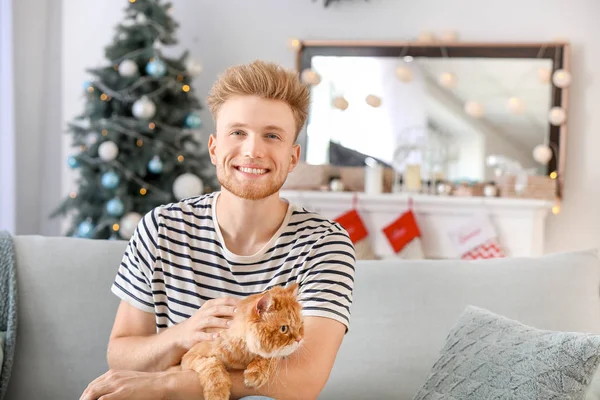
x: 264, y: 303
x: 293, y: 289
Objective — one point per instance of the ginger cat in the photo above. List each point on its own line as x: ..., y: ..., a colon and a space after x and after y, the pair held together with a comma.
x: 266, y: 326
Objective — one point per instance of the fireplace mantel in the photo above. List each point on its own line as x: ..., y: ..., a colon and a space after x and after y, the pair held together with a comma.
x: 520, y: 223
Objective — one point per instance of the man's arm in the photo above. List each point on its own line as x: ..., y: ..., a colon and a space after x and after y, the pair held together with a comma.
x: 135, y: 345
x: 304, y: 373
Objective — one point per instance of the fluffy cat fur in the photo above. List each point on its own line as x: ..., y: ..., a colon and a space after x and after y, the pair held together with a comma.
x: 266, y: 326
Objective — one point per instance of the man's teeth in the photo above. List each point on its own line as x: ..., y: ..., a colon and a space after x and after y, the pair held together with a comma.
x: 254, y: 171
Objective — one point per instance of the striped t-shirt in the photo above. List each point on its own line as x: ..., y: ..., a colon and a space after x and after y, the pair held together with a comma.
x: 176, y: 260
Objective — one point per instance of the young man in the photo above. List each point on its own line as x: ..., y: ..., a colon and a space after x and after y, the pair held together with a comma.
x: 189, y: 262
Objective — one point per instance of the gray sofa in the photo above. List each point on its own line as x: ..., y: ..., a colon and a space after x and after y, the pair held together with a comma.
x: 402, y: 313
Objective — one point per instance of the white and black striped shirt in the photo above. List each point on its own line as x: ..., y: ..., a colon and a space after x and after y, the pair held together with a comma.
x: 176, y: 260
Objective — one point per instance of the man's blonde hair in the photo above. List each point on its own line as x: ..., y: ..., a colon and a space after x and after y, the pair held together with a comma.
x: 266, y: 80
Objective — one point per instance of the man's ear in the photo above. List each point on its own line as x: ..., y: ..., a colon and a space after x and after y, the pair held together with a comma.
x: 212, y: 145
x: 295, y: 157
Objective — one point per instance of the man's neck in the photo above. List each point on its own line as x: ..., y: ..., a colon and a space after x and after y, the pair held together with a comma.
x: 247, y: 225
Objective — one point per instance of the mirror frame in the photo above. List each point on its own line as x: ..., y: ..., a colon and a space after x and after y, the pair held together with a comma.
x: 558, y: 52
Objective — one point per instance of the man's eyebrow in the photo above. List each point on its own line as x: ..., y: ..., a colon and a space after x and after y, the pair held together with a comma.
x: 243, y: 125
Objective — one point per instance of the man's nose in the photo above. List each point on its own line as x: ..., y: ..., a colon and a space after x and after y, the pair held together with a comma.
x: 253, y: 146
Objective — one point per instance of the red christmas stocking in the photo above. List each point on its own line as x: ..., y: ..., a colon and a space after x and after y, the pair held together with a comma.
x: 405, y: 237
x: 476, y: 239
x: 354, y: 225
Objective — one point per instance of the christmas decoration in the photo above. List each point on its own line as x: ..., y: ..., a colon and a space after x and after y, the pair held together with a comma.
x: 474, y: 109
x: 110, y: 180
x: 128, y: 68
x: 155, y: 165
x: 476, y: 239
x: 448, y: 80
x: 187, y: 185
x: 108, y: 151
x: 544, y: 75
x: 373, y: 101
x: 404, y: 74
x: 542, y: 154
x: 405, y: 237
x: 156, y: 68
x: 310, y: 77
x: 143, y: 108
x: 194, y: 68
x: 359, y: 236
x: 340, y: 103
x: 133, y: 140
x: 193, y: 121
x: 115, y: 207
x: 73, y: 162
x: 128, y: 224
x: 561, y: 78
x: 557, y: 116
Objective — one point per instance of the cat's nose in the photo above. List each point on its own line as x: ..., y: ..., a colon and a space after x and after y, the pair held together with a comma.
x: 298, y: 340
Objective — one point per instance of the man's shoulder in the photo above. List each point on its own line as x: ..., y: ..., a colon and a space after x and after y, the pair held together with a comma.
x: 305, y: 222
x: 198, y: 206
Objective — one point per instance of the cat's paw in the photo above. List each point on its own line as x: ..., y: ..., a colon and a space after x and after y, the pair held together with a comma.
x: 255, y: 377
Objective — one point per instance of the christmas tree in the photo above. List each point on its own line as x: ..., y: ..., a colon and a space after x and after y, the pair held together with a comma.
x: 136, y: 141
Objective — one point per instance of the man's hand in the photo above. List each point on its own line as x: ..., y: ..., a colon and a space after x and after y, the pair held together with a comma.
x: 134, y: 344
x: 214, y: 314
x: 130, y: 385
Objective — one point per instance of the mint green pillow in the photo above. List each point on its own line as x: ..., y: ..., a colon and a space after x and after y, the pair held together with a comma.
x: 488, y: 356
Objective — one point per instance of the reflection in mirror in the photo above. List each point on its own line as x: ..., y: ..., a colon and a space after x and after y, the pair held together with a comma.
x: 448, y: 115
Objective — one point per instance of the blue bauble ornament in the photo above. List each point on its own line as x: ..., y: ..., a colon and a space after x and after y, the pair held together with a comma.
x: 85, y: 229
x: 73, y: 162
x: 193, y: 121
x: 155, y: 165
x: 115, y: 207
x: 110, y: 180
x: 156, y: 68
x: 86, y: 85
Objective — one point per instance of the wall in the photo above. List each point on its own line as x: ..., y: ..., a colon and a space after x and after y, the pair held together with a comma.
x: 38, y: 122
x: 223, y: 33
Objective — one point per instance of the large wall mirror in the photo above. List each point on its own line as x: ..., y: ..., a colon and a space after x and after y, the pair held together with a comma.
x: 462, y: 111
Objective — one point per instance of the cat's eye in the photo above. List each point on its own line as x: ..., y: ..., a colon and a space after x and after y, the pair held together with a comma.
x: 284, y: 328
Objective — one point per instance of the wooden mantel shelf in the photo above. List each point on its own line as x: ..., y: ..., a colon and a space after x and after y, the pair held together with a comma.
x: 520, y: 223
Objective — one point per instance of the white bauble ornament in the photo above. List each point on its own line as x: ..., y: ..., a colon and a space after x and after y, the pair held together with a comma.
x: 557, y: 116
x: 448, y: 79
x: 193, y: 68
x: 187, y: 185
x: 128, y: 224
x: 143, y: 108
x: 404, y: 74
x: 474, y: 109
x: 128, y: 68
x: 373, y: 101
x: 141, y: 18
x: 340, y: 103
x: 544, y: 75
x: 310, y: 77
x: 561, y: 78
x: 516, y: 105
x: 108, y: 151
x: 542, y: 154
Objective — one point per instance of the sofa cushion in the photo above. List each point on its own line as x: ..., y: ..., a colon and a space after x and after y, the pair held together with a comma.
x: 490, y: 356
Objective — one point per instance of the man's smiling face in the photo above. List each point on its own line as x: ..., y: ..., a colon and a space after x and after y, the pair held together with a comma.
x: 254, y: 147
